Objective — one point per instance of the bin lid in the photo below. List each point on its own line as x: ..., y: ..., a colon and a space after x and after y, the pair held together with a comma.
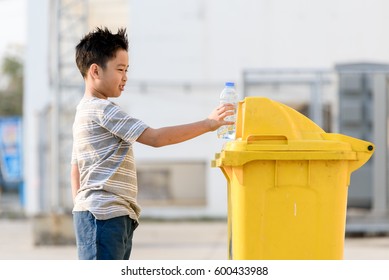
x: 267, y: 129
x: 263, y: 119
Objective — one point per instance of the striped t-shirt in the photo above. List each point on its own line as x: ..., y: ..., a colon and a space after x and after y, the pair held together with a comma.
x: 103, y: 135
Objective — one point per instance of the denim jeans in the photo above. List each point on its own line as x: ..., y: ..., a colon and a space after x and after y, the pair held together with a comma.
x: 103, y: 239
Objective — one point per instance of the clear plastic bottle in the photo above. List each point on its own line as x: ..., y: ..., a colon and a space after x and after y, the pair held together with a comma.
x: 228, y: 95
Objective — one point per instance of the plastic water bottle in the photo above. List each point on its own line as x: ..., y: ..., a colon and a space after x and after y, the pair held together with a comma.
x: 228, y: 95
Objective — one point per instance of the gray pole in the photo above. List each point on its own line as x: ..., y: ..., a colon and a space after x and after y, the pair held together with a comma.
x: 54, y: 181
x: 316, y: 106
x: 380, y: 132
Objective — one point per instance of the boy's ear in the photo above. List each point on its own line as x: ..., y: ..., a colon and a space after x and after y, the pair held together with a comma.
x: 94, y: 71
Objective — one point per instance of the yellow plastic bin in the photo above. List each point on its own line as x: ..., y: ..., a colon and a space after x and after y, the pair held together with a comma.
x: 287, y: 184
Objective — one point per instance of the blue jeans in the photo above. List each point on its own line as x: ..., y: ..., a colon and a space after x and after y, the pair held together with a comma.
x: 103, y: 239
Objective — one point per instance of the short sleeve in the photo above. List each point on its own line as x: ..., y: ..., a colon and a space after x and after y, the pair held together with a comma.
x: 120, y: 124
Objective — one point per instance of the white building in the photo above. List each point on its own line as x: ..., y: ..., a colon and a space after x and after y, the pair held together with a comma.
x: 181, y: 53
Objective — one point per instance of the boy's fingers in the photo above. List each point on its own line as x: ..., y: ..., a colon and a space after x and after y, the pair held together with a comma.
x: 226, y: 106
x: 223, y: 111
x: 226, y: 114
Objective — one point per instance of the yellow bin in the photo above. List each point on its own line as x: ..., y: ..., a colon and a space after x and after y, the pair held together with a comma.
x: 287, y: 184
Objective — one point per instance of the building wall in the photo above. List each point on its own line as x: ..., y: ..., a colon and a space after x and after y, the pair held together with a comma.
x: 214, y: 40
x: 181, y: 53
x: 36, y: 97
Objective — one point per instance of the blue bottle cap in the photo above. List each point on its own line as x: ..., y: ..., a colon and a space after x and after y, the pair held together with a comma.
x: 229, y: 84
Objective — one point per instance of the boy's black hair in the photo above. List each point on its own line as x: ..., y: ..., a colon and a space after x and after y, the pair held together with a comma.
x: 98, y: 47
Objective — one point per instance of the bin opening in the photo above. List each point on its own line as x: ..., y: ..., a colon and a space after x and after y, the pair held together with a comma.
x: 276, y: 139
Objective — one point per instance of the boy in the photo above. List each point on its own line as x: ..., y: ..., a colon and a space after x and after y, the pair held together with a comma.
x: 103, y: 174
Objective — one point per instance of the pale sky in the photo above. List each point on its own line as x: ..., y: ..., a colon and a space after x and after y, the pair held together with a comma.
x: 13, y: 20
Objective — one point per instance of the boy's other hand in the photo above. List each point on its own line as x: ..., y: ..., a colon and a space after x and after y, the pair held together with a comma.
x: 217, y: 117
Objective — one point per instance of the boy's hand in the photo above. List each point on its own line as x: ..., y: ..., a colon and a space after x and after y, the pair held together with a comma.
x: 216, y: 118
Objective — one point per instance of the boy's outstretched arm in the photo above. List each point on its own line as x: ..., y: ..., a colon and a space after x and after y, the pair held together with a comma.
x: 176, y: 134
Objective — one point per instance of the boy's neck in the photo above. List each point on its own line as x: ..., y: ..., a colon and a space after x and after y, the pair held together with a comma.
x: 90, y: 94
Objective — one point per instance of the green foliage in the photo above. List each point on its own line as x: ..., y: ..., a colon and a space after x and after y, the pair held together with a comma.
x: 11, y: 96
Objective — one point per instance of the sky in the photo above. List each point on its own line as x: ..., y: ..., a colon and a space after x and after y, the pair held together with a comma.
x: 13, y: 21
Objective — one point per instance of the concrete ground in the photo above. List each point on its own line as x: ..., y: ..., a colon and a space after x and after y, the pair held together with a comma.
x: 153, y: 240
x: 168, y: 240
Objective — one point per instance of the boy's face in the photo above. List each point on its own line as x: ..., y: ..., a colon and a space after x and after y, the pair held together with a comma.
x: 113, y: 78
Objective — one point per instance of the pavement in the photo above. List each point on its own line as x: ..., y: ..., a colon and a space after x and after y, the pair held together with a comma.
x: 164, y: 240
x: 160, y: 240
